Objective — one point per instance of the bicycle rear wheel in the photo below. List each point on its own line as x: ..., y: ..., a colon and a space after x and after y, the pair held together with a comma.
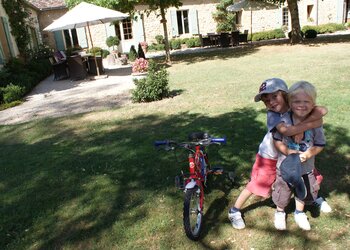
x: 193, y: 213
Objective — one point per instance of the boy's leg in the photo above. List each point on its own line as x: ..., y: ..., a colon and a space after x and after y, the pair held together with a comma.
x: 300, y: 217
x: 281, y: 194
x: 234, y: 213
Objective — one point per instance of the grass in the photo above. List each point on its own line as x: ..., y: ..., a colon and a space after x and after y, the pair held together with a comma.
x: 94, y: 180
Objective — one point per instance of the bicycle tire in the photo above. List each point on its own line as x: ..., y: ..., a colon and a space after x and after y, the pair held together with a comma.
x: 192, y: 213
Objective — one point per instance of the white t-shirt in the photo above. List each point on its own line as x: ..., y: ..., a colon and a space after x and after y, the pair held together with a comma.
x: 267, y: 148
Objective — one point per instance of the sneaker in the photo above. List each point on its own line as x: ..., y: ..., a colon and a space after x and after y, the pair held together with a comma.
x: 302, y: 221
x: 236, y: 220
x: 280, y: 220
x: 323, y: 205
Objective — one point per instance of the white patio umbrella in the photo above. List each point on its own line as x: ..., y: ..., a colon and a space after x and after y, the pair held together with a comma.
x: 84, y: 15
x: 249, y: 4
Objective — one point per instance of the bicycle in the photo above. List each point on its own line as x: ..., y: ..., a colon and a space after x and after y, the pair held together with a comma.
x: 194, y: 182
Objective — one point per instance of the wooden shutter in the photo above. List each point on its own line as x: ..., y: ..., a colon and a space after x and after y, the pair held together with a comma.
x: 8, y: 35
x: 60, y: 44
x: 173, y: 19
x: 193, y: 22
x: 137, y: 29
x: 82, y: 40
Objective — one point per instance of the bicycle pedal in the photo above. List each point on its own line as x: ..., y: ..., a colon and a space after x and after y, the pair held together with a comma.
x: 179, y: 182
x: 217, y: 170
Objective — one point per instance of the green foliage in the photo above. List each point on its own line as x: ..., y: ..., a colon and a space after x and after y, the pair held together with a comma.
x: 175, y: 43
x: 324, y: 28
x: 156, y: 47
x: 159, y: 39
x: 12, y: 93
x: 132, y: 53
x: 17, y: 16
x: 225, y: 21
x: 267, y: 35
x: 112, y: 41
x: 154, y: 87
x: 310, y: 33
x: 193, y: 42
x: 95, y: 51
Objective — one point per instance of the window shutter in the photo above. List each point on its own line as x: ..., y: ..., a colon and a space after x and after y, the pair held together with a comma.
x: 82, y: 40
x: 174, y: 28
x: 59, y: 40
x: 2, y: 57
x: 193, y: 21
x: 137, y: 28
x: 8, y: 35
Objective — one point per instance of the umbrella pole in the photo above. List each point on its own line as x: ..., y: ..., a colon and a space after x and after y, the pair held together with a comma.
x: 92, y: 45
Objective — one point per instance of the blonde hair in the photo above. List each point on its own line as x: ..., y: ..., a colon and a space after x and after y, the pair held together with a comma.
x: 302, y: 86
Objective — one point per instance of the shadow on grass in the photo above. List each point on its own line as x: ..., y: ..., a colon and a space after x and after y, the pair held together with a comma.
x: 67, y: 188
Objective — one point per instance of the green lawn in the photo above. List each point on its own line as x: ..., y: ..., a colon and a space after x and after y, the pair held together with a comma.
x: 94, y: 181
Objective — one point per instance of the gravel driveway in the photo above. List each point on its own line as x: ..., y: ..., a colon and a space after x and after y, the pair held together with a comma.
x: 60, y: 98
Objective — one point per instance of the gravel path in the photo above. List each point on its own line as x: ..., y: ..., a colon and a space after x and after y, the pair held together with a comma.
x: 60, y: 98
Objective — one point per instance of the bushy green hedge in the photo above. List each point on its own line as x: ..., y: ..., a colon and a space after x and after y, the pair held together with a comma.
x: 310, y: 33
x: 267, y: 35
x: 154, y: 87
x: 18, y: 78
x: 175, y: 43
x: 156, y: 47
x: 324, y: 28
x: 193, y: 42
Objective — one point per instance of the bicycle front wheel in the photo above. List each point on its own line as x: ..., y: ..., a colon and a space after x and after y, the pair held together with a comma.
x: 193, y: 213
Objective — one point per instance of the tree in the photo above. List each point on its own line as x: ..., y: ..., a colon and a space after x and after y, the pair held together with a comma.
x: 129, y: 6
x: 294, y: 13
x: 225, y: 21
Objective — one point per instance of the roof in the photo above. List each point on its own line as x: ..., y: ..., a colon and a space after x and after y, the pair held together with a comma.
x: 48, y: 4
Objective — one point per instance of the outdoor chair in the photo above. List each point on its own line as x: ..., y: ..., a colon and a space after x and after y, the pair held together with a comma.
x: 59, y: 69
x: 205, y: 41
x: 224, y: 39
x: 235, y: 38
x: 77, y: 67
x: 243, y: 38
x: 92, y: 65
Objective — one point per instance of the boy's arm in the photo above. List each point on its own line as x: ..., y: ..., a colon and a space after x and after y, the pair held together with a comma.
x: 314, y: 120
x: 314, y: 150
x: 281, y: 147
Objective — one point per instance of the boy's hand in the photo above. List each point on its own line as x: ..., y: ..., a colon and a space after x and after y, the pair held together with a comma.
x: 292, y: 151
x: 304, y: 156
x: 298, y: 138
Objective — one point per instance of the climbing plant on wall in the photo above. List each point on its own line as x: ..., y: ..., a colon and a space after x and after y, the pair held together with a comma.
x: 17, y: 15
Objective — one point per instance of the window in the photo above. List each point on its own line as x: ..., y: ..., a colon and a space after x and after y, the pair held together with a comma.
x: 309, y: 11
x: 239, y: 17
x: 182, y: 21
x: 127, y: 29
x: 285, y: 16
x: 33, y: 38
x: 71, y: 38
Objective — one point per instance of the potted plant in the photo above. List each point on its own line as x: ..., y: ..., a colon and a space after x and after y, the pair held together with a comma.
x: 140, y: 67
x: 111, y: 42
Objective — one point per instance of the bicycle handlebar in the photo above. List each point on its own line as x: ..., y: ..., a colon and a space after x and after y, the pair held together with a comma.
x: 204, y: 142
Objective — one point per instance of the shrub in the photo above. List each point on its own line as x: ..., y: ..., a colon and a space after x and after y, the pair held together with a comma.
x: 160, y: 39
x: 310, y: 33
x: 290, y: 34
x: 325, y: 28
x: 95, y: 51
x: 191, y: 43
x: 270, y: 34
x: 152, y: 88
x: 140, y: 65
x: 140, y: 52
x: 112, y: 41
x: 156, y: 47
x: 175, y: 43
x: 12, y: 93
x: 132, y: 53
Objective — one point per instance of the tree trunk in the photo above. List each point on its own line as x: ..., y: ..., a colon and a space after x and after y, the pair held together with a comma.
x: 294, y: 13
x: 166, y: 39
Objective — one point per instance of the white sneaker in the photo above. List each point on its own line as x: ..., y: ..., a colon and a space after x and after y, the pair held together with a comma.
x: 280, y: 220
x: 302, y: 221
x: 323, y: 205
x: 236, y: 220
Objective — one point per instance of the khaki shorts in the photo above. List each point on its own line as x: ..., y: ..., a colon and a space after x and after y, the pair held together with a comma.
x: 282, y: 192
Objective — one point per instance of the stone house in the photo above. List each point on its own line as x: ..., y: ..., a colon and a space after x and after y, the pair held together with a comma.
x: 192, y: 18
x: 8, y: 45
